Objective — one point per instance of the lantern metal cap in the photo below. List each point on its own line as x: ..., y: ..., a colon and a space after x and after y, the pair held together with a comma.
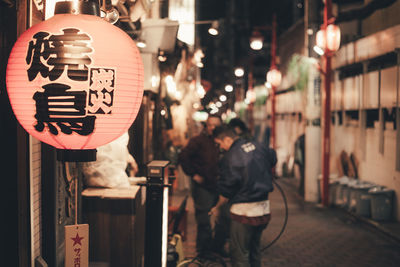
x: 77, y: 7
x: 76, y: 155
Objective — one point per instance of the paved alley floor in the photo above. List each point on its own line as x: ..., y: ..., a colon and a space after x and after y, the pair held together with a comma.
x: 314, y: 236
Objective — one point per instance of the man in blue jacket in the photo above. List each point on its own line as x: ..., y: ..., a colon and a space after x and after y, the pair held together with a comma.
x: 245, y: 181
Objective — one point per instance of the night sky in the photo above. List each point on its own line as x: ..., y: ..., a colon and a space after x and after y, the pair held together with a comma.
x: 232, y: 48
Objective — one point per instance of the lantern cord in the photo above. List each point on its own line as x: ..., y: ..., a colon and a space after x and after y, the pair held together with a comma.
x: 76, y: 199
x: 69, y: 180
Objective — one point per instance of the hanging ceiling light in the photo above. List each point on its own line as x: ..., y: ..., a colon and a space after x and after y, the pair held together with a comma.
x: 239, y: 72
x: 256, y: 40
x: 141, y: 43
x: 108, y: 12
x: 318, y: 50
x: 228, y: 88
x: 213, y: 30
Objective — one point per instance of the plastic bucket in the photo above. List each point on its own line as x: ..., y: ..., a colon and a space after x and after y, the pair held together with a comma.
x: 347, y: 188
x: 333, y: 187
x: 340, y: 189
x: 381, y: 204
x: 363, y: 200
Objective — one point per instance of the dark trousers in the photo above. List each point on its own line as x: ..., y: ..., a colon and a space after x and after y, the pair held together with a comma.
x: 204, y: 200
x: 245, y: 244
x: 222, y: 229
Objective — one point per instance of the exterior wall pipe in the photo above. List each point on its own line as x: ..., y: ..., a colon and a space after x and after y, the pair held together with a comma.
x: 273, y: 89
x: 326, y: 111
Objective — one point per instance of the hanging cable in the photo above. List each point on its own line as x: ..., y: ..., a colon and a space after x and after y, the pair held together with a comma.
x: 286, y: 216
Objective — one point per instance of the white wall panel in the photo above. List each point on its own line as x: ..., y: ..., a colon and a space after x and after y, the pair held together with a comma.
x: 336, y: 93
x: 368, y: 47
x: 388, y: 87
x: 371, y: 90
x: 350, y: 94
x: 297, y: 101
x: 269, y: 105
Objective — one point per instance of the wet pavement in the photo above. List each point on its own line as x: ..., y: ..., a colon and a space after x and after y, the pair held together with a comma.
x: 314, y: 235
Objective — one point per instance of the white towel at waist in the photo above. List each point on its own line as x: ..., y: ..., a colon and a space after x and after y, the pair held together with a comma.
x: 251, y: 209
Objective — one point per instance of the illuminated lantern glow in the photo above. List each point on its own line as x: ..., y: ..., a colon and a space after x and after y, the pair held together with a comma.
x: 329, y: 39
x: 274, y: 77
x: 75, y: 81
x: 320, y: 39
x: 239, y: 72
x: 256, y: 40
x: 251, y: 96
x: 213, y: 30
x: 333, y: 37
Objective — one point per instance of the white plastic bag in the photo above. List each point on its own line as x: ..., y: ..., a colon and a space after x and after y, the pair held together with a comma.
x: 109, y: 168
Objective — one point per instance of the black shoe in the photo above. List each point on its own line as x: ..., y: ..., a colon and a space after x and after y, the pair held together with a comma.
x: 222, y: 253
x: 204, y: 254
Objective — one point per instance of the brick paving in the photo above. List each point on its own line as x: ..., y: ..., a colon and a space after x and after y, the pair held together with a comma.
x: 314, y: 236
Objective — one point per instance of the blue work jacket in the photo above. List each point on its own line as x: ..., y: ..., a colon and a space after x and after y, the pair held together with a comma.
x: 246, y: 172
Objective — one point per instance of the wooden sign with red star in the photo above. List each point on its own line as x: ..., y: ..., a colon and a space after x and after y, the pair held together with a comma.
x: 77, y: 245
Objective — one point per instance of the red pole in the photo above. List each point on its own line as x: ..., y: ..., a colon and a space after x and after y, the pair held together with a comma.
x: 251, y: 105
x: 273, y: 94
x: 273, y: 110
x: 273, y: 44
x: 327, y: 112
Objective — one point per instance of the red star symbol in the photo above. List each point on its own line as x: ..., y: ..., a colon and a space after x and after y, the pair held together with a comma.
x: 77, y: 239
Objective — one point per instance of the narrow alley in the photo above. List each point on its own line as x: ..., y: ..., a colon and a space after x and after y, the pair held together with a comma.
x: 314, y: 235
x: 110, y: 109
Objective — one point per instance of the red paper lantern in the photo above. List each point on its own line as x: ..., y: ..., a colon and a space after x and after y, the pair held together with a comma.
x: 333, y: 37
x: 329, y: 39
x: 274, y: 77
x: 75, y: 81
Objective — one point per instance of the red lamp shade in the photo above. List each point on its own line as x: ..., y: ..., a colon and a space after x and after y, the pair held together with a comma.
x: 75, y: 81
x: 329, y: 39
x: 274, y: 77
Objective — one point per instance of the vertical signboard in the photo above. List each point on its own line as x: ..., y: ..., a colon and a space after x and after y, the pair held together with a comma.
x: 77, y: 245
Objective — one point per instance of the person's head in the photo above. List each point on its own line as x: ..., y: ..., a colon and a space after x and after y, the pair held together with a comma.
x: 212, y: 122
x: 238, y: 125
x: 224, y: 136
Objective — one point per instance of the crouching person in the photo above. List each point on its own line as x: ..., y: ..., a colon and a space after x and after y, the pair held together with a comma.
x: 245, y: 181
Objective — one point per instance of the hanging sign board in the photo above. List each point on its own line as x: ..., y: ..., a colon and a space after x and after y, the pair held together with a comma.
x: 77, y: 245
